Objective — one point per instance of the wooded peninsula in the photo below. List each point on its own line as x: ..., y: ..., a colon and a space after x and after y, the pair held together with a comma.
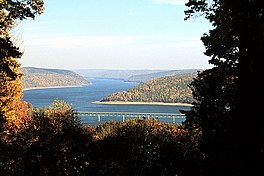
x: 46, y: 78
x: 167, y: 89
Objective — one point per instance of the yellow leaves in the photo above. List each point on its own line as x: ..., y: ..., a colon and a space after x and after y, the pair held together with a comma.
x: 14, y: 111
x: 17, y: 117
x: 60, y: 105
x: 38, y: 5
x: 58, y: 117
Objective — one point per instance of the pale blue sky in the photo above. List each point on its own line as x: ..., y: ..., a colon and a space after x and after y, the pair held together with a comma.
x: 114, y: 34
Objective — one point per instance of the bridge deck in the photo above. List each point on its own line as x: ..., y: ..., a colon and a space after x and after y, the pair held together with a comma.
x: 98, y: 117
x: 131, y: 114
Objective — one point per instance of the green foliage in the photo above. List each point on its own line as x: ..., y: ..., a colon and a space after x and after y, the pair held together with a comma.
x: 214, y: 91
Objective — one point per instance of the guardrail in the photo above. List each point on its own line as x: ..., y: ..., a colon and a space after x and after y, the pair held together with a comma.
x: 129, y: 115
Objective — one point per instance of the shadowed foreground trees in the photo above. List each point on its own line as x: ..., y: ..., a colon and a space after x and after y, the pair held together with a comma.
x: 51, y: 141
x: 55, y: 143
x: 144, y: 147
x: 226, y: 95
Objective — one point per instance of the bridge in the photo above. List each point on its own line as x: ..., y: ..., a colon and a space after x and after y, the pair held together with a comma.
x: 98, y: 117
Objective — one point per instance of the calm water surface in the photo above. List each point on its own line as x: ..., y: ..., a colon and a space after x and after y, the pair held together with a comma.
x: 82, y: 98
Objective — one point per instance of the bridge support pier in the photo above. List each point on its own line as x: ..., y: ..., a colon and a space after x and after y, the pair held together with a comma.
x: 98, y: 118
x: 173, y: 120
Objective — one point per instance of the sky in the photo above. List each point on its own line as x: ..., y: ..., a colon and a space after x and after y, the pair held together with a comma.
x: 114, y: 34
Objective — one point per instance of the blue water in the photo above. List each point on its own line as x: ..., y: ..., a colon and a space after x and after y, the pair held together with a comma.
x: 83, y: 98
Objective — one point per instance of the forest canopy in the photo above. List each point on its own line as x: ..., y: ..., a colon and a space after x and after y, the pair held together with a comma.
x: 222, y: 135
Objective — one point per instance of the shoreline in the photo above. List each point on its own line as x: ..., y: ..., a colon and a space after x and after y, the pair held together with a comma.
x: 141, y: 103
x: 53, y: 87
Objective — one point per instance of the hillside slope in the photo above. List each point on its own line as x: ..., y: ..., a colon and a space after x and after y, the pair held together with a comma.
x: 112, y: 74
x: 40, y: 77
x: 150, y: 76
x: 168, y: 89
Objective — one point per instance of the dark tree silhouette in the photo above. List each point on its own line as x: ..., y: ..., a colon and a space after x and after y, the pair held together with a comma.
x: 12, y: 11
x: 226, y: 96
x: 13, y: 112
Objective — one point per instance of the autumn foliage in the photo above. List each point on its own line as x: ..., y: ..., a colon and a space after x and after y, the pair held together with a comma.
x: 12, y: 110
x: 167, y: 89
x: 54, y: 142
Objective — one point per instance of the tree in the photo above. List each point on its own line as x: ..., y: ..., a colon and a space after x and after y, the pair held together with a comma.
x: 225, y: 94
x: 54, y: 143
x: 11, y: 12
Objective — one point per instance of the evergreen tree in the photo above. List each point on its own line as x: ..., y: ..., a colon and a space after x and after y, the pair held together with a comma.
x: 12, y: 11
x: 225, y: 94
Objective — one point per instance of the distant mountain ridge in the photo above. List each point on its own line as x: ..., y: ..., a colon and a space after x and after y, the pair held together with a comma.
x: 133, y: 75
x: 146, y: 77
x: 112, y: 74
x: 43, y: 77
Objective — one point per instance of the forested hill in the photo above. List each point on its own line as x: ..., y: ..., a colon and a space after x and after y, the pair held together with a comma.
x: 40, y: 77
x: 133, y: 75
x: 167, y: 89
x: 112, y: 74
x: 150, y: 76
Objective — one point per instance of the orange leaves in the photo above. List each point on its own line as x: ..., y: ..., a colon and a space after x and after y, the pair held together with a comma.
x: 17, y: 118
x: 14, y: 111
x: 179, y: 132
x: 53, y: 137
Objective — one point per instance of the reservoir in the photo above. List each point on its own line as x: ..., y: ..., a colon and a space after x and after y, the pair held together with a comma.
x: 83, y: 98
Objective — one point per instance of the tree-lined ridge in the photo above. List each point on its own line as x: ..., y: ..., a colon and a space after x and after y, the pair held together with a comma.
x: 43, y: 77
x: 166, y: 89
